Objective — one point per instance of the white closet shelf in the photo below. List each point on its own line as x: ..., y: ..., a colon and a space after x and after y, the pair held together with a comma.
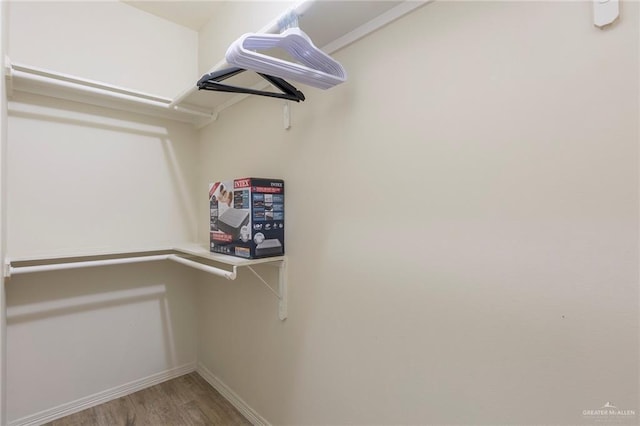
x: 203, y: 253
x: 40, y: 81
x: 74, y: 255
x: 330, y: 24
x: 42, y: 263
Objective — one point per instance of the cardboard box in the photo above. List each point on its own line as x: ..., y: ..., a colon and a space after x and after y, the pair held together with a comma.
x: 247, y: 217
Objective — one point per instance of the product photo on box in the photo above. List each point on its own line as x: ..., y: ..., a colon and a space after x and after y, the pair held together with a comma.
x: 247, y: 217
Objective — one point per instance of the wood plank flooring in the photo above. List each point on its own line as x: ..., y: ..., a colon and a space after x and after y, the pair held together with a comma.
x: 186, y: 400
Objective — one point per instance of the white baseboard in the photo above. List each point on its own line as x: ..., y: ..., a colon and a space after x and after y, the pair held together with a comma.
x: 251, y: 415
x: 102, y: 397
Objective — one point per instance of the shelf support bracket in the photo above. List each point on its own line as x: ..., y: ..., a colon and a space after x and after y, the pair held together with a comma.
x: 281, y: 294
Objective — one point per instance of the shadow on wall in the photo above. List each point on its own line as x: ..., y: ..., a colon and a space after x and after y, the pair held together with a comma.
x: 43, y: 296
x: 182, y: 179
x: 74, y: 333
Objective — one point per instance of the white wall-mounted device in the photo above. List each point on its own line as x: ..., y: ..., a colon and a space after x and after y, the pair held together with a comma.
x: 605, y: 12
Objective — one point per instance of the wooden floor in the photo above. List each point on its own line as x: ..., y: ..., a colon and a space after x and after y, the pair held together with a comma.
x: 186, y: 400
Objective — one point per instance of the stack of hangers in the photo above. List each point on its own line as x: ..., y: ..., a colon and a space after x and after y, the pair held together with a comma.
x: 316, y: 68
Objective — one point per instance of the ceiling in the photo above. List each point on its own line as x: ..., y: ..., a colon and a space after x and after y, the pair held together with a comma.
x: 189, y: 13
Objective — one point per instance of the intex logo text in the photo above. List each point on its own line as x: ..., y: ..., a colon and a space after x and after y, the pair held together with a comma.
x: 241, y: 183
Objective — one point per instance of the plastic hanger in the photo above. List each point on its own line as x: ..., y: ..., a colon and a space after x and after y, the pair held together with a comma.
x: 316, y: 68
x: 212, y: 81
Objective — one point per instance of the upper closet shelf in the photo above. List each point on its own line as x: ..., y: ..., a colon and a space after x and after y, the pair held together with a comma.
x: 331, y: 25
x: 25, y: 78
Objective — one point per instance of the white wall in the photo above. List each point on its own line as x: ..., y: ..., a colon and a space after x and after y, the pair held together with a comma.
x: 88, y: 179
x: 462, y: 226
x: 83, y: 178
x: 106, y: 41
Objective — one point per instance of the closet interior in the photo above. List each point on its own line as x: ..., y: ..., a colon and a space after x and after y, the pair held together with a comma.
x: 461, y: 208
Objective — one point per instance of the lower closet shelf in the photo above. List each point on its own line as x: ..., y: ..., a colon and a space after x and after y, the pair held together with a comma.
x: 189, y: 255
x: 202, y: 252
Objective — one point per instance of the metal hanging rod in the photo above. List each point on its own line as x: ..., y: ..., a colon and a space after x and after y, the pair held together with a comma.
x: 42, y: 81
x: 22, y: 69
x: 16, y: 270
x: 230, y: 275
x: 166, y: 254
